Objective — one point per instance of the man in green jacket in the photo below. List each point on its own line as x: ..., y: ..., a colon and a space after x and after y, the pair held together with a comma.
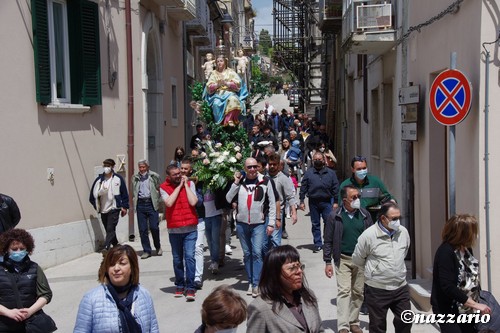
x: 146, y: 185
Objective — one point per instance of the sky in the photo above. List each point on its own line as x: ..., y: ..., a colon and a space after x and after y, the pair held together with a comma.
x: 264, y: 18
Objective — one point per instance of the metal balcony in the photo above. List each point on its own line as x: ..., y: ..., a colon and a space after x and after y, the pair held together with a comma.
x: 181, y: 10
x: 368, y: 27
x: 330, y: 16
x: 199, y: 25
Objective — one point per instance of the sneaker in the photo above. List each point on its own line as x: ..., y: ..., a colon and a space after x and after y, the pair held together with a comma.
x: 190, y: 295
x: 228, y: 249
x: 145, y: 255
x: 284, y: 235
x: 255, y: 292
x: 159, y: 252
x: 179, y: 292
x: 249, y: 291
x: 317, y: 249
x: 214, y: 268
x: 198, y: 285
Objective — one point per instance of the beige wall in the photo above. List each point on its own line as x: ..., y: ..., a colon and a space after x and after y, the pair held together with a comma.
x: 429, y: 54
x: 59, y: 214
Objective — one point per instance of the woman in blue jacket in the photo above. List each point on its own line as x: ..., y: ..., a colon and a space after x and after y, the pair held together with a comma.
x: 119, y: 304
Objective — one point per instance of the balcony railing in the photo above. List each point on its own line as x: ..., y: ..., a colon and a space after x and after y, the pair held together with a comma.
x: 184, y: 11
x: 368, y: 26
x: 330, y: 15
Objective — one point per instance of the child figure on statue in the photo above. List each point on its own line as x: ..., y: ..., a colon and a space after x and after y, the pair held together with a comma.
x: 208, y: 66
x: 242, y: 62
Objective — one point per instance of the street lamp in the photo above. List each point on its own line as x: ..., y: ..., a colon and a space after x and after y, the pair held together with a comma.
x: 226, y: 18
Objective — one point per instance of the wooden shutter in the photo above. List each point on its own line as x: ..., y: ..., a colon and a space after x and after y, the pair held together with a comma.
x: 91, y: 94
x: 41, y: 50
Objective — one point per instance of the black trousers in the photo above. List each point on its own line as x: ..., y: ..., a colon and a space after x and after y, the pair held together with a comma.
x: 379, y: 301
x: 110, y: 220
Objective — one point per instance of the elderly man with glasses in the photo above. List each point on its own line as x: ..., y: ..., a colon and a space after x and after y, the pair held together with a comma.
x: 342, y: 229
x: 253, y: 193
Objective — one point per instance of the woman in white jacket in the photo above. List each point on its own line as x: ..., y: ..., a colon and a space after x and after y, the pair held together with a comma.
x: 119, y: 304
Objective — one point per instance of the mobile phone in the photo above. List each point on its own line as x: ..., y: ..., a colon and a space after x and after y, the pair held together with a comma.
x: 243, y: 174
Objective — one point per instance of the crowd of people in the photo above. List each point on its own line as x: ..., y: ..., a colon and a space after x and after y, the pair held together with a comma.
x: 363, y: 242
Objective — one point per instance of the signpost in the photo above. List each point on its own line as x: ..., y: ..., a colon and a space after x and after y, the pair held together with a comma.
x: 450, y: 100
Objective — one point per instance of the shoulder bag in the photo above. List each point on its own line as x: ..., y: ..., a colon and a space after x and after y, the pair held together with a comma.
x: 39, y: 322
x: 485, y: 297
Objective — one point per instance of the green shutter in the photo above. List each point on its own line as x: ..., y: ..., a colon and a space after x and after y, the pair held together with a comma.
x: 83, y: 26
x: 91, y: 59
x: 41, y: 50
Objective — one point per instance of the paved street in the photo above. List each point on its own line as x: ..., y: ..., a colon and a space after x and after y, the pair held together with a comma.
x: 70, y: 281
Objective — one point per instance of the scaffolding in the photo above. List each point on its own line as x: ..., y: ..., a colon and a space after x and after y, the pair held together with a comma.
x: 298, y: 45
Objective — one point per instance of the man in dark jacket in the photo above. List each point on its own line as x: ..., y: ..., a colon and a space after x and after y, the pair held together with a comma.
x: 9, y: 213
x: 342, y: 229
x: 320, y: 184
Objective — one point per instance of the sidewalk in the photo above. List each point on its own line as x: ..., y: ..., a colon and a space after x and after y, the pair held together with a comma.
x: 71, y: 280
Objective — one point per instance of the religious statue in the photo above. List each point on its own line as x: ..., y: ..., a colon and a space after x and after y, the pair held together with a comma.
x: 208, y: 66
x: 226, y: 93
x: 241, y: 68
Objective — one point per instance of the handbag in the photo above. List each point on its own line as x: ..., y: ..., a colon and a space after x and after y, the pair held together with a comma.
x: 485, y: 297
x: 39, y: 322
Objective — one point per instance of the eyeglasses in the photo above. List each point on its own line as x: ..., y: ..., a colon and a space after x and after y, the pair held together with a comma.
x: 294, y: 268
x: 354, y: 197
x: 251, y: 166
x: 395, y: 218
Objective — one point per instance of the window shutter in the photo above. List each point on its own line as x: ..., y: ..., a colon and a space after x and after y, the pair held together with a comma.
x: 91, y: 94
x: 41, y: 50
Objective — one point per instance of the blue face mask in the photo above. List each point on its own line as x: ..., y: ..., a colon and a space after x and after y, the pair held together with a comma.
x: 18, y: 256
x: 361, y: 174
x: 227, y: 330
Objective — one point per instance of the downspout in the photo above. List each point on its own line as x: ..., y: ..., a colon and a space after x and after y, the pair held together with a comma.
x: 130, y: 99
x: 486, y: 166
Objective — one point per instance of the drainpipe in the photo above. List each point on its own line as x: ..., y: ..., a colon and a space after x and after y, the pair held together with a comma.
x: 130, y: 94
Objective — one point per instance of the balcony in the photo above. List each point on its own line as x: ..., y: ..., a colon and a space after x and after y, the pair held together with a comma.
x: 330, y: 16
x: 184, y: 10
x: 199, y: 25
x: 368, y: 27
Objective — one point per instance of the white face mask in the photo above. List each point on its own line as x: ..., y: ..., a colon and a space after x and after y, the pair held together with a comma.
x: 394, y: 225
x: 356, y: 204
x: 107, y: 170
x: 322, y: 149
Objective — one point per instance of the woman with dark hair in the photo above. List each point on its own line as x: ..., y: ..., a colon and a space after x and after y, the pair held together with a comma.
x: 33, y: 287
x: 119, y: 304
x: 285, y: 303
x: 222, y: 311
x: 179, y: 154
x: 455, y: 277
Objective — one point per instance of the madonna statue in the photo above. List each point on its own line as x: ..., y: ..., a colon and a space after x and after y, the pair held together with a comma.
x: 226, y: 93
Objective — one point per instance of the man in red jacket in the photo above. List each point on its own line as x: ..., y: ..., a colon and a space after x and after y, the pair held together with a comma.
x: 179, y: 195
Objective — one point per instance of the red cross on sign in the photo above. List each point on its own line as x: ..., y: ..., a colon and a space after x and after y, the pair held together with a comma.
x: 450, y: 97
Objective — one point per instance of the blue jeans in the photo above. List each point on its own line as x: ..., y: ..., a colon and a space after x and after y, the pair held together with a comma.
x: 318, y: 209
x: 146, y: 213
x: 275, y: 239
x: 183, y: 247
x: 212, y: 231
x: 252, y: 238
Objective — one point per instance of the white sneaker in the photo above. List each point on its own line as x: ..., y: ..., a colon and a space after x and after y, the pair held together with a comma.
x: 229, y: 250
x: 250, y: 289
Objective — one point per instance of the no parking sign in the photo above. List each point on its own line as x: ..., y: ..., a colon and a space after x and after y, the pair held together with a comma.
x: 450, y: 97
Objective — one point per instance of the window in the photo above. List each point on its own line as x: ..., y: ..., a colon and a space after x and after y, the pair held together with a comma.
x: 66, y: 47
x: 174, y: 114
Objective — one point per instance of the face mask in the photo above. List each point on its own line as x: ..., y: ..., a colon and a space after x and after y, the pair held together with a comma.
x: 18, y: 256
x: 361, y: 174
x: 394, y: 225
x: 318, y: 164
x: 107, y: 170
x: 228, y: 330
x: 356, y: 204
x: 322, y: 149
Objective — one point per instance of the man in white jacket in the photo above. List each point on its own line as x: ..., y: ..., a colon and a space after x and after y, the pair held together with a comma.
x: 381, y: 250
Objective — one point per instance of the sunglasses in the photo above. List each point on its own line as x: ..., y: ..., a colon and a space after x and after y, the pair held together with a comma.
x: 251, y: 166
x: 354, y: 197
x: 359, y: 159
